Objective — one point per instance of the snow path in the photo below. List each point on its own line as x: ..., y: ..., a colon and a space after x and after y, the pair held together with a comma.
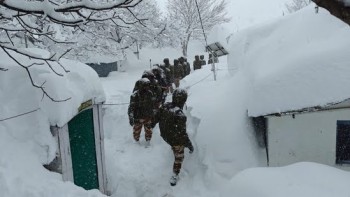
x: 136, y: 171
x: 223, y: 147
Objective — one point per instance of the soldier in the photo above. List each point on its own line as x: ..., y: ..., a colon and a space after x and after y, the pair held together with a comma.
x: 160, y: 77
x: 197, y: 64
x: 172, y: 125
x: 184, y: 66
x: 202, y: 60
x: 154, y: 87
x: 178, y: 73
x: 169, y: 73
x: 188, y: 67
x: 140, y: 110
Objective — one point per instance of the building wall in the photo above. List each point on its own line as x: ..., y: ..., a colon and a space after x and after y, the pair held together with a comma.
x: 103, y: 69
x: 306, y: 137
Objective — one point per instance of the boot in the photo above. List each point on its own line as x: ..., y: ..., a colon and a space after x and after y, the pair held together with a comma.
x: 148, y: 144
x: 174, y: 179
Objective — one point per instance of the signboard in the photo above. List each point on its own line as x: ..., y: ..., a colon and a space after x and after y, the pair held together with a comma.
x: 85, y: 105
x: 216, y: 49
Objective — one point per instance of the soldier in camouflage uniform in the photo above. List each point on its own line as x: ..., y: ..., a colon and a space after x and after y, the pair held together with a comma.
x: 140, y: 110
x: 188, y: 67
x: 184, y: 66
x: 172, y: 125
x: 178, y: 72
x: 169, y: 73
x: 161, y: 80
x: 197, y: 64
x: 203, y: 60
x: 154, y: 87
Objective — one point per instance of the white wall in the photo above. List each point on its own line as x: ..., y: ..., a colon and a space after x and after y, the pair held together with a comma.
x: 307, y: 137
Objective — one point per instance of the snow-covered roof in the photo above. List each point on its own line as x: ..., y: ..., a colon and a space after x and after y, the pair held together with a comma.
x: 80, y: 84
x: 298, y: 62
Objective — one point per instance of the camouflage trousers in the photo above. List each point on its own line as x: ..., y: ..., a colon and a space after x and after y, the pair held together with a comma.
x: 170, y: 89
x: 179, y: 157
x: 177, y: 82
x: 147, y: 124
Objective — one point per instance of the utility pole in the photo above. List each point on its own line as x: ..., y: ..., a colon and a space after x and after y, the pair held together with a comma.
x: 213, y: 65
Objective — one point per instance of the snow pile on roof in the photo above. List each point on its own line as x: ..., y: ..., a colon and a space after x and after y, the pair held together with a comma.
x: 80, y: 84
x: 297, y: 62
x: 25, y: 141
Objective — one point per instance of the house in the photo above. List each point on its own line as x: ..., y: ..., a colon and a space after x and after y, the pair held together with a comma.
x: 298, y: 87
x: 104, y: 68
x: 65, y: 130
x: 318, y: 134
x: 104, y: 64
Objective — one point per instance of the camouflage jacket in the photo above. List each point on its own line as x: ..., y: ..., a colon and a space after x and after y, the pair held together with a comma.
x: 197, y: 65
x: 141, y: 105
x: 179, y: 71
x: 155, y: 89
x: 188, y: 68
x: 169, y: 73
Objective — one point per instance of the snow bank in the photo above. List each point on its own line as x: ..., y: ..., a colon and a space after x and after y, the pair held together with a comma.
x: 300, y: 179
x: 26, y: 142
x: 297, y: 62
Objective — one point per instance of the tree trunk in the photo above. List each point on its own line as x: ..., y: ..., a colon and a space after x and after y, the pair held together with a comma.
x: 184, y: 44
x: 184, y: 48
x: 336, y: 8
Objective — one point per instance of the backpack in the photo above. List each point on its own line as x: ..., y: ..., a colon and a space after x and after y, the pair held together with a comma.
x: 172, y: 123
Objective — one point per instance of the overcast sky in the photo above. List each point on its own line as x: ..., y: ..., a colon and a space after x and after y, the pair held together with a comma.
x: 247, y: 12
x: 162, y: 4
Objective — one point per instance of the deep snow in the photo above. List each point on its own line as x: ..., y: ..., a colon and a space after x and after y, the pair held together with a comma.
x: 226, y: 152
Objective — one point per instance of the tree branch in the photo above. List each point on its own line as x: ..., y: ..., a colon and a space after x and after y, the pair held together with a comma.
x: 41, y: 87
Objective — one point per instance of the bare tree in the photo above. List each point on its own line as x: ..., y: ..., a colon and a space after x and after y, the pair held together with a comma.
x: 111, y: 38
x: 185, y: 21
x: 34, y: 21
x: 296, y: 5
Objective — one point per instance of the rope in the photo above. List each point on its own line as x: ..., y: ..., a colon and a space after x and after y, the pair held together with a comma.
x: 116, y: 104
x: 188, y: 87
x: 19, y: 115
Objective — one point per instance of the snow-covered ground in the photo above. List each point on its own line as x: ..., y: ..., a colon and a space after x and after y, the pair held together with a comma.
x: 225, y: 147
x: 227, y: 160
x: 218, y: 135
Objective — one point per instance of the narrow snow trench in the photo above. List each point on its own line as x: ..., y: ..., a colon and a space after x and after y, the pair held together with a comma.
x: 136, y: 171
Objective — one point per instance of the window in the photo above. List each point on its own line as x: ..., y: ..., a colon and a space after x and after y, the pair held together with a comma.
x: 343, y: 142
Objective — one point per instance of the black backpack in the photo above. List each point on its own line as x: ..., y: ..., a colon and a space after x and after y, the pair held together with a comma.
x: 168, y: 122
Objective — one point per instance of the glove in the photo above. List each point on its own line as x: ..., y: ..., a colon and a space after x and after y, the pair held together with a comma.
x: 131, y: 121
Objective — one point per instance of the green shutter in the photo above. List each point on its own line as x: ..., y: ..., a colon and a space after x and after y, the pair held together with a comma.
x: 83, y: 151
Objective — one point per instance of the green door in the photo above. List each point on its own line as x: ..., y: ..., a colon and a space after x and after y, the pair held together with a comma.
x: 82, y: 144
